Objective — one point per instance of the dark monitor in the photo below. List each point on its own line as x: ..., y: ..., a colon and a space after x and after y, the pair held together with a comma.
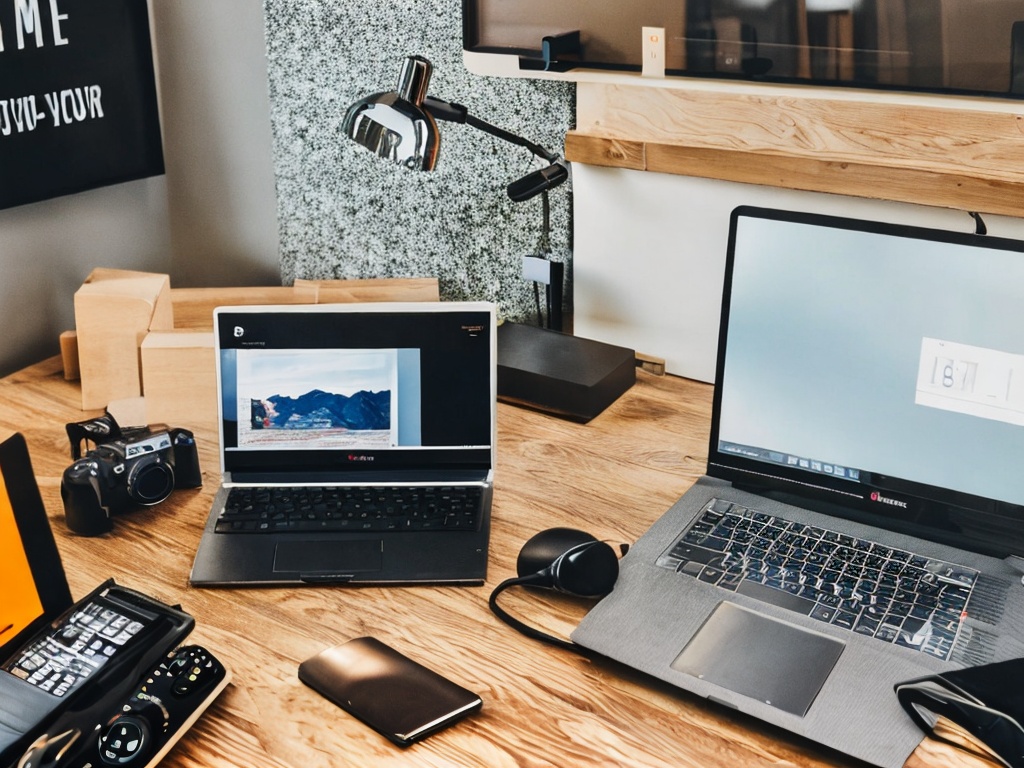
x: 916, y: 45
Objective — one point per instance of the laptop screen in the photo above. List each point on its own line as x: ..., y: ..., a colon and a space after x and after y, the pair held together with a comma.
x: 878, y: 367
x: 31, y: 574
x: 22, y: 603
x: 357, y: 389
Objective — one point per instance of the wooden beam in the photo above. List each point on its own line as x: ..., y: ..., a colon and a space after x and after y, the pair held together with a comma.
x: 596, y: 150
x: 966, y: 157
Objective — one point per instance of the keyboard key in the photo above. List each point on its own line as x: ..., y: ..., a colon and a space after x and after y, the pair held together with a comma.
x: 866, y: 626
x: 823, y: 612
x: 845, y: 619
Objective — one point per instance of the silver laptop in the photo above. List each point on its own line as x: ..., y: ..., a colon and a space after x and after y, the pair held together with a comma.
x: 357, y: 445
x: 863, y: 506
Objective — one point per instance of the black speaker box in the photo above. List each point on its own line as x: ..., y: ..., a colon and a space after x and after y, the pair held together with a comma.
x: 564, y: 375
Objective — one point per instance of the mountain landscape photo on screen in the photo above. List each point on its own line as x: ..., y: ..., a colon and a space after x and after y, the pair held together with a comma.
x: 323, y: 410
x: 317, y: 399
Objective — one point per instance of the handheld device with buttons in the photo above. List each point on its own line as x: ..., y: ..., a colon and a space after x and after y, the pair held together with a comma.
x: 140, y: 731
x: 168, y: 701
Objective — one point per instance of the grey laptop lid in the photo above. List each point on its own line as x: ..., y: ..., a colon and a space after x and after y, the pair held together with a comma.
x: 877, y: 371
x: 870, y: 381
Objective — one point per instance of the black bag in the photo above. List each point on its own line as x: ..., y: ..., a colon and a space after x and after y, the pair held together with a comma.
x: 985, y: 701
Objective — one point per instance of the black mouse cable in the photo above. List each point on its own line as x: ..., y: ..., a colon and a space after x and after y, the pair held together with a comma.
x: 519, y: 626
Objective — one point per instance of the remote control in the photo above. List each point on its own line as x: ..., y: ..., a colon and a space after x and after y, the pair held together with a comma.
x: 165, y: 705
x: 136, y: 733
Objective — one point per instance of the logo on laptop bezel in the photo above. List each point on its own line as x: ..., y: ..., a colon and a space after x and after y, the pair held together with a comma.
x: 880, y: 499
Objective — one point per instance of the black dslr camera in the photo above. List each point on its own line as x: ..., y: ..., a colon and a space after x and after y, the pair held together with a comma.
x: 124, y: 467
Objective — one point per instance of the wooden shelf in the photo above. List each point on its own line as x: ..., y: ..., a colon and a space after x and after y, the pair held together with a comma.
x: 969, y: 156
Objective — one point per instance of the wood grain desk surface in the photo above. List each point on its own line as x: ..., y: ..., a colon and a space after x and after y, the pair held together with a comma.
x: 542, y: 706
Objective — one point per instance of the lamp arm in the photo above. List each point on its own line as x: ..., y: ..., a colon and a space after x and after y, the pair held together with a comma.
x: 456, y: 113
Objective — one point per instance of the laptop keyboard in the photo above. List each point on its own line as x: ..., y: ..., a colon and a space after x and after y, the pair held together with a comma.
x: 343, y: 508
x: 76, y: 649
x: 862, y: 586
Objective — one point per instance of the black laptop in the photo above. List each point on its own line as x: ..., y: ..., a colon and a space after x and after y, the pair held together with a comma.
x: 862, y: 515
x: 57, y: 655
x: 357, y: 445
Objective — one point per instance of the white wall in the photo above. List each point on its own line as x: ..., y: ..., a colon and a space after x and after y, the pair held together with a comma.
x: 211, y: 220
x: 212, y: 64
x: 649, y: 254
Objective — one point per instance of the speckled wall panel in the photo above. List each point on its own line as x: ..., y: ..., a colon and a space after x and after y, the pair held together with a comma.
x: 344, y: 213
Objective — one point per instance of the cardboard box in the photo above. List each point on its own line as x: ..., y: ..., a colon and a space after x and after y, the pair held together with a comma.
x: 136, y: 335
x: 179, y: 378
x: 382, y: 289
x: 193, y: 307
x: 114, y: 310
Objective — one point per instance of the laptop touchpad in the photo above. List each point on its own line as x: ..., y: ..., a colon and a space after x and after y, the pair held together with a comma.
x: 319, y: 556
x: 759, y: 656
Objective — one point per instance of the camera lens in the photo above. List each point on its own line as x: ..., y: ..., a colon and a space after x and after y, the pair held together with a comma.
x: 150, y: 482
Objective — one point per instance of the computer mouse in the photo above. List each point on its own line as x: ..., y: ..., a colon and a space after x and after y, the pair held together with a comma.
x: 569, y: 561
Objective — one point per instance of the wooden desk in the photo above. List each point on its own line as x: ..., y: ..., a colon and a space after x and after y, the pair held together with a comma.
x: 542, y: 706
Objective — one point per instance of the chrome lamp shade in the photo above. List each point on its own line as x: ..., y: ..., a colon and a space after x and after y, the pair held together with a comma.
x: 394, y: 125
x: 401, y: 126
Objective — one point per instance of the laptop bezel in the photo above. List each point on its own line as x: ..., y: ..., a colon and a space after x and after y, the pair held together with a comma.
x: 963, y: 520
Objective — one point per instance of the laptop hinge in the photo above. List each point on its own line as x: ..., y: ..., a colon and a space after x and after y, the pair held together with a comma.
x: 439, y: 477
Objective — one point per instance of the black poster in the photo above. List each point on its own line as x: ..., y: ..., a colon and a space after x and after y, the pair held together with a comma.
x: 78, y: 105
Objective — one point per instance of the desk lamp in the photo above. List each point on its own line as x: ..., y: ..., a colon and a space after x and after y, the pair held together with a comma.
x: 401, y: 126
x: 537, y: 367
